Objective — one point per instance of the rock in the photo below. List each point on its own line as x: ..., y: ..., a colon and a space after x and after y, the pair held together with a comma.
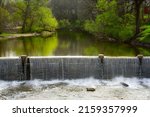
x: 144, y: 85
x: 124, y: 84
x: 90, y: 89
x: 46, y: 33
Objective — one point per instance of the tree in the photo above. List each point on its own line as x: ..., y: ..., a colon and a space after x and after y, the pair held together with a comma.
x: 138, y: 4
x: 4, y: 19
x: 34, y: 15
x: 4, y: 2
x: 108, y: 23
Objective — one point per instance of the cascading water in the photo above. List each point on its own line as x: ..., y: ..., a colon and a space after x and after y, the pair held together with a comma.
x: 127, y: 67
x: 145, y: 67
x: 83, y: 67
x: 11, y: 69
x: 49, y: 68
x: 65, y: 68
x: 68, y: 77
x: 76, y: 89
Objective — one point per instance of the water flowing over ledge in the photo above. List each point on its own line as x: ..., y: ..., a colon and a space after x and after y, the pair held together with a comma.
x: 73, y: 67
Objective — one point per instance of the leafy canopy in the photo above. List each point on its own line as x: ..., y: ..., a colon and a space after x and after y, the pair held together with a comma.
x: 109, y: 23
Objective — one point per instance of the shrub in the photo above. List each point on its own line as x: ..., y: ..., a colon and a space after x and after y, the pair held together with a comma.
x: 145, y: 34
x: 109, y: 23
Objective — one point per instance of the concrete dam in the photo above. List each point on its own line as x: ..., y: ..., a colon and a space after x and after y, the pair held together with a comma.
x: 73, y: 67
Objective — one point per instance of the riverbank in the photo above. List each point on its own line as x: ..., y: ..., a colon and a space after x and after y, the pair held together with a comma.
x: 14, y: 36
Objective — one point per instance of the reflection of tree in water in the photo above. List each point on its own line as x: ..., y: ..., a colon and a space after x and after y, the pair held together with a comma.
x: 110, y: 49
x: 72, y: 42
x: 38, y: 46
x: 1, y: 49
x: 80, y: 43
x: 7, y: 47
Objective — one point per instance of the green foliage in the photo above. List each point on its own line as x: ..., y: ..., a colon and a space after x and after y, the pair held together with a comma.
x: 5, y: 17
x: 109, y: 23
x: 5, y: 2
x: 64, y: 23
x: 44, y: 20
x: 70, y: 24
x: 91, y: 26
x: 144, y: 51
x: 34, y: 15
x: 77, y: 24
x: 145, y: 34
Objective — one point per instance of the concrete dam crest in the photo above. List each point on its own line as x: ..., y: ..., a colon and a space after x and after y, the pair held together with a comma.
x: 73, y: 67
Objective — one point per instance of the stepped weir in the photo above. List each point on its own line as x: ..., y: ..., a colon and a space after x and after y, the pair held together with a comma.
x: 73, y: 67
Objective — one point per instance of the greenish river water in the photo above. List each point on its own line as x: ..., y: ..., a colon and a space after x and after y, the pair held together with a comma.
x: 67, y: 43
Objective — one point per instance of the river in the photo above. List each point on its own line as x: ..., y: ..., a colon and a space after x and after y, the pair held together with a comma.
x: 67, y: 42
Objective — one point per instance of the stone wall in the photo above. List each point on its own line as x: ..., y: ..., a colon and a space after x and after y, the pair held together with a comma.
x: 72, y: 9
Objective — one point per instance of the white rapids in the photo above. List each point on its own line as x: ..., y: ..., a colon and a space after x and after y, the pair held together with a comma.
x: 117, y: 88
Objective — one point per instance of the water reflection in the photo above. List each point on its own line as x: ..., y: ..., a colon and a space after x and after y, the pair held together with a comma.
x: 67, y: 43
x: 37, y: 46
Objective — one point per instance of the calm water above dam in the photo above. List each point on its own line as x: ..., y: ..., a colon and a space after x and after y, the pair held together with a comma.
x: 66, y: 43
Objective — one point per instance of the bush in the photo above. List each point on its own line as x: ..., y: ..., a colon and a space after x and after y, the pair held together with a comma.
x: 145, y: 34
x: 70, y: 24
x: 44, y: 20
x: 109, y: 23
x: 34, y: 16
x: 64, y: 23
x: 91, y: 26
x: 4, y: 19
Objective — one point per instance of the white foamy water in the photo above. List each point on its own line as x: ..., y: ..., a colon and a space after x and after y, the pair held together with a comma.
x: 116, y: 88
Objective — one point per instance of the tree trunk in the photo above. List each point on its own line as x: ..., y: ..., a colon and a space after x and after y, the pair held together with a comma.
x: 137, y: 13
x: 138, y: 4
x: 25, y: 16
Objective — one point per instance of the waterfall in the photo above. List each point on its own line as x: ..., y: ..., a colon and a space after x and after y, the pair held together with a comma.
x: 64, y: 67
x: 127, y: 67
x: 73, y: 67
x: 146, y: 67
x: 45, y: 68
x: 10, y: 69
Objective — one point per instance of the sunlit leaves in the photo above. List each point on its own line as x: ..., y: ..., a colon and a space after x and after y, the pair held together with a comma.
x: 109, y: 23
x: 4, y: 19
x: 35, y: 15
x: 47, y: 21
x: 145, y: 34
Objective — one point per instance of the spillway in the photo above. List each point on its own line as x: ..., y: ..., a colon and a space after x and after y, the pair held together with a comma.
x: 73, y: 67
